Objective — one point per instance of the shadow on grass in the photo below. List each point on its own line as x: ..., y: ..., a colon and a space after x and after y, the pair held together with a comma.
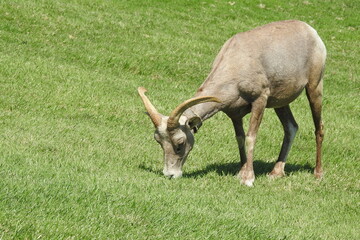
x: 260, y: 168
x: 224, y: 169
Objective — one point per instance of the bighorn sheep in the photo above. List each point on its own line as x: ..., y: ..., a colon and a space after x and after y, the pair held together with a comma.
x: 267, y: 67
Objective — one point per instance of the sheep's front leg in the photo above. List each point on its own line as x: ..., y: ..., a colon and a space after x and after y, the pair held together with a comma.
x: 246, y: 174
x: 290, y: 128
x: 240, y: 138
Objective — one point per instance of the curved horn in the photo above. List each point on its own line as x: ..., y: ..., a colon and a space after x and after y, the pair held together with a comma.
x: 173, y: 121
x: 153, y: 113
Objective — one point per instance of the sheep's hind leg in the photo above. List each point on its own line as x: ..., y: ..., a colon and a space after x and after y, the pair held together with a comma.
x: 315, y: 99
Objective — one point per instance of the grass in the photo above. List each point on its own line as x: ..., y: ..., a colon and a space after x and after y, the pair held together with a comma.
x: 77, y: 156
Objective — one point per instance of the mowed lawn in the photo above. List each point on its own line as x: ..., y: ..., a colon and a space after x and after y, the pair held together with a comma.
x: 77, y: 155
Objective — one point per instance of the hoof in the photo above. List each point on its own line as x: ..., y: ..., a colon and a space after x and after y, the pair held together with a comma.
x: 278, y: 170
x: 249, y: 183
x: 318, y: 174
x: 247, y: 178
x: 274, y: 175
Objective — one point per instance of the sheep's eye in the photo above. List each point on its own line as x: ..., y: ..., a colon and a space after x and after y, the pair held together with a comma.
x: 179, y: 147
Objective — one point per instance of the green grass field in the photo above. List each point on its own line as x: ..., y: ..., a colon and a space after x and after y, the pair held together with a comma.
x: 77, y: 155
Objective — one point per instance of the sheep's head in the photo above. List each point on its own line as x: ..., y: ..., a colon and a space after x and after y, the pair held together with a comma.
x: 175, y: 133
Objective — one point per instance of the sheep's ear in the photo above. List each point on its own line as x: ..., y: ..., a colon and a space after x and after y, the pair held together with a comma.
x: 173, y: 121
x: 194, y: 123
